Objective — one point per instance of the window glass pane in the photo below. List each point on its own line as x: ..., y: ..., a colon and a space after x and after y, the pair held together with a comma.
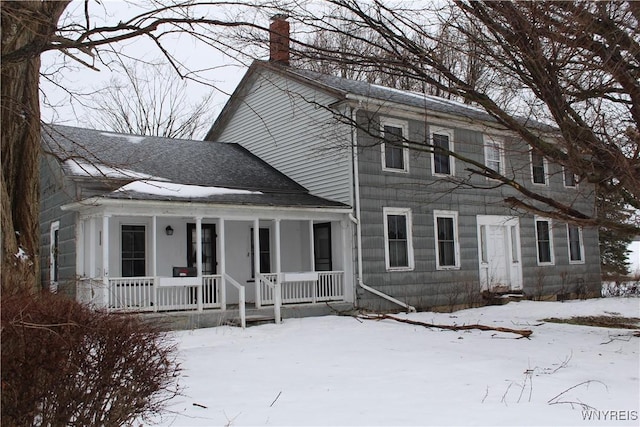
x: 441, y: 161
x: 569, y: 178
x: 575, y: 247
x: 537, y: 164
x: 393, y: 150
x: 397, y: 240
x: 492, y: 152
x: 133, y: 250
x: 544, y: 242
x: 265, y: 252
x: 446, y: 242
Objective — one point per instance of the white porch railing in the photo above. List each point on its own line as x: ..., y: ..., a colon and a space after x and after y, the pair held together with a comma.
x: 329, y: 286
x: 150, y: 294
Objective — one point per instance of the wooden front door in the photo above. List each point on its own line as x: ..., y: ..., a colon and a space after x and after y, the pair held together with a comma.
x: 209, y: 263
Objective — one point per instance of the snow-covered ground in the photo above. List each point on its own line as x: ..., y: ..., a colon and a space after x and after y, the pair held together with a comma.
x: 344, y: 371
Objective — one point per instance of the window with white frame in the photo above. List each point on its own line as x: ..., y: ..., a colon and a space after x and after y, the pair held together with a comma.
x: 544, y: 241
x: 570, y: 179
x: 398, y: 245
x: 447, y: 245
x: 133, y: 250
x: 395, y: 153
x: 442, y: 161
x: 493, y: 155
x: 576, y: 246
x: 54, y: 250
x: 539, y: 171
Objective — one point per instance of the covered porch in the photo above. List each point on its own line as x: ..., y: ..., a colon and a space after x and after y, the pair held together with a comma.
x: 150, y: 256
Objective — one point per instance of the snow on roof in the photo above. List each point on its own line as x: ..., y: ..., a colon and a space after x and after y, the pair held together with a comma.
x: 97, y: 170
x: 160, y: 188
x: 134, y: 139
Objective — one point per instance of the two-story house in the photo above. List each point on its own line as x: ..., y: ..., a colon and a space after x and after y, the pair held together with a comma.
x: 427, y: 233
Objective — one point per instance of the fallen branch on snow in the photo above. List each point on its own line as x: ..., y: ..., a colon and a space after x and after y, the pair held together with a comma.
x: 524, y: 333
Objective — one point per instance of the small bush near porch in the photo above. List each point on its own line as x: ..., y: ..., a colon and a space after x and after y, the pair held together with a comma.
x: 63, y: 364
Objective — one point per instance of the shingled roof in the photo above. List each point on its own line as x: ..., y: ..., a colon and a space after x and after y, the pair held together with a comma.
x: 101, y: 155
x: 343, y: 89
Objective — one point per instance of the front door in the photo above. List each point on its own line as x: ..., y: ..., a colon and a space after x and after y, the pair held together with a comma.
x: 322, y: 246
x: 209, y: 263
x: 499, y: 253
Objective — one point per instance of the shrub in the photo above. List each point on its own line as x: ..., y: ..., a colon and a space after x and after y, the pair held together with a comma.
x: 64, y: 364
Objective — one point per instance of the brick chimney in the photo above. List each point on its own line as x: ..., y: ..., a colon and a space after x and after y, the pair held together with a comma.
x: 279, y: 40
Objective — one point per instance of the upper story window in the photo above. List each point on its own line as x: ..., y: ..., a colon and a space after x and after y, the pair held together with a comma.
x: 395, y: 153
x: 576, y: 247
x: 442, y: 161
x: 398, y: 248
x: 570, y: 178
x: 494, y: 155
x: 544, y: 241
x: 447, y: 244
x: 539, y: 168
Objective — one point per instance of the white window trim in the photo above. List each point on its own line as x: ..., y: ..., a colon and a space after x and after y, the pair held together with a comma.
x: 386, y: 211
x: 580, y: 261
x: 55, y: 226
x: 545, y: 167
x: 452, y: 163
x: 564, y: 179
x: 490, y: 141
x: 456, y: 241
x: 535, y: 226
x: 404, y: 125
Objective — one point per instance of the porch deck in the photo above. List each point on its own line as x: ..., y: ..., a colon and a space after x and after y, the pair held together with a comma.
x: 197, y: 294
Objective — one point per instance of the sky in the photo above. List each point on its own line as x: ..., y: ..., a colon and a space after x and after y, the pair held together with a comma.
x: 221, y: 70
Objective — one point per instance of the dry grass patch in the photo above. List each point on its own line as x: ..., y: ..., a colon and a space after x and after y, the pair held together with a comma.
x: 603, y: 321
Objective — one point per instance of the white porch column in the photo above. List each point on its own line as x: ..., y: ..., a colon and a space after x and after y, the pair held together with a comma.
x: 223, y: 265
x: 154, y: 246
x: 105, y: 259
x: 256, y: 259
x: 92, y: 247
x: 278, y: 285
x: 311, y: 247
x: 199, y: 259
x: 80, y: 224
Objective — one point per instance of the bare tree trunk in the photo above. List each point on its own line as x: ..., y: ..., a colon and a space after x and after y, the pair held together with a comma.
x: 25, y: 27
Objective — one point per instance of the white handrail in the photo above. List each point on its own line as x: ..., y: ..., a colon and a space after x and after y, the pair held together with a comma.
x: 410, y: 308
x: 241, y: 299
x: 277, y: 293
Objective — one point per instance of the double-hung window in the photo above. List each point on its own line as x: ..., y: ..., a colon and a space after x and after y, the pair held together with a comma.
x: 447, y: 244
x: 539, y: 172
x: 570, y: 179
x: 494, y: 155
x: 395, y: 153
x: 398, y: 245
x: 544, y: 241
x: 442, y: 161
x: 133, y: 251
x: 576, y: 247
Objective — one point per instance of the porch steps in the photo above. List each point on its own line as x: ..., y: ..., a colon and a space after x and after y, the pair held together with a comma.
x: 186, y: 320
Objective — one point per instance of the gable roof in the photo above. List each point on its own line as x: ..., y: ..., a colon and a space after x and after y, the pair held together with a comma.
x: 345, y: 89
x: 182, y: 169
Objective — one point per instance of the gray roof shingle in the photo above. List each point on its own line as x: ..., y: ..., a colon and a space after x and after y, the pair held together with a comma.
x: 180, y: 161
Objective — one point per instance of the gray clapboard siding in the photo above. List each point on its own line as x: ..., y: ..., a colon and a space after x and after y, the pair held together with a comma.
x: 282, y: 123
x: 423, y: 193
x: 55, y: 191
